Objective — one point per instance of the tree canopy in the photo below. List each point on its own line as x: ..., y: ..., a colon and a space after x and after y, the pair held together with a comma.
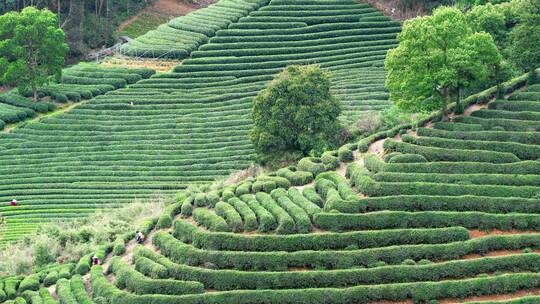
x: 32, y: 48
x: 437, y: 56
x: 296, y: 112
x: 524, y: 47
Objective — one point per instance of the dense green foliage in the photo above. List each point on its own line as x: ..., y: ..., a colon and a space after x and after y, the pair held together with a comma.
x: 296, y: 112
x: 438, y: 56
x: 190, y: 126
x: 32, y: 48
x: 88, y: 24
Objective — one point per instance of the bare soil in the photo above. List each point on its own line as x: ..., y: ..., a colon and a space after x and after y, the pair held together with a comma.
x: 377, y: 148
x: 473, y: 233
x: 392, y: 9
x: 167, y: 9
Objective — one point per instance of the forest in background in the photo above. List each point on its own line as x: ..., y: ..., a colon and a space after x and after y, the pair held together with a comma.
x: 88, y: 24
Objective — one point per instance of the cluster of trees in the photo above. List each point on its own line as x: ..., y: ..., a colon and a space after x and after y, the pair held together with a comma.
x: 441, y: 55
x: 87, y: 23
x: 32, y: 48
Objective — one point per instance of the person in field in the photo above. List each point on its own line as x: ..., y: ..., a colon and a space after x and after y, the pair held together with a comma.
x: 95, y: 260
x: 139, y: 237
x: 13, y: 203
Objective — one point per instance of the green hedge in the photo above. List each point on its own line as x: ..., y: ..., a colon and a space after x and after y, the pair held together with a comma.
x: 363, y: 239
x: 301, y: 218
x: 30, y: 282
x: 249, y: 218
x: 210, y: 220
x: 419, y: 291
x: 231, y: 216
x: 296, y: 177
x: 285, y: 223
x: 265, y: 219
x: 454, y: 155
x: 311, y: 194
x: 65, y: 295
x: 233, y: 279
x: 464, y: 179
x: 79, y: 290
x: 134, y: 281
x: 531, y: 138
x: 408, y: 158
x: 523, y: 151
x: 331, y: 259
x: 330, y: 160
x: 311, y: 164
x: 301, y: 201
x: 370, y: 187
x: 462, y: 203
x: 427, y: 219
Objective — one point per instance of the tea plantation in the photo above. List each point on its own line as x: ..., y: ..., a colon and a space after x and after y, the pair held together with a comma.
x: 449, y: 213
x: 79, y: 82
x: 435, y: 211
x: 189, y: 126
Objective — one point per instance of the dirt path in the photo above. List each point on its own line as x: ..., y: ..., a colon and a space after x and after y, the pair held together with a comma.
x: 473, y: 233
x: 391, y: 8
x: 167, y: 9
x: 64, y: 108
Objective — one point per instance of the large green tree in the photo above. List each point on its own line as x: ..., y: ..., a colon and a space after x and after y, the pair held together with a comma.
x: 296, y: 112
x: 32, y: 48
x: 437, y: 56
x: 524, y: 46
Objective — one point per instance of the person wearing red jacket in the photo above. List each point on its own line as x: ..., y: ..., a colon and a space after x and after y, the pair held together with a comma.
x: 13, y: 203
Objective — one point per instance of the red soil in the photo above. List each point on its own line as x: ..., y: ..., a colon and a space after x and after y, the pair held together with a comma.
x: 478, y: 233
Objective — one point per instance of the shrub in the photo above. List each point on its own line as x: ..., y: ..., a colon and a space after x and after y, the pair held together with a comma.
x: 187, y: 206
x: 51, y: 278
x: 210, y: 220
x: 30, y: 282
x: 330, y: 160
x: 426, y: 219
x: 84, y: 264
x: 266, y: 220
x: 134, y: 281
x: 408, y: 158
x: 311, y: 194
x: 300, y: 200
x: 63, y: 290
x: 296, y: 177
x: 311, y: 164
x: 231, y: 216
x: 364, y: 239
x: 79, y: 291
x: 285, y: 223
x: 248, y: 216
x: 300, y: 217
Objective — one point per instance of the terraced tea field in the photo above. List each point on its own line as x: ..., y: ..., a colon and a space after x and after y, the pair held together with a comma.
x: 445, y: 214
x: 190, y: 126
x: 82, y: 81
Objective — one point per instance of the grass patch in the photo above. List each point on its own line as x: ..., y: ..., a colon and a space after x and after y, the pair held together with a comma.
x: 142, y: 24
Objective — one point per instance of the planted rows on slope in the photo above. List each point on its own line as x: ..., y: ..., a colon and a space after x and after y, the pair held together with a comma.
x: 190, y: 126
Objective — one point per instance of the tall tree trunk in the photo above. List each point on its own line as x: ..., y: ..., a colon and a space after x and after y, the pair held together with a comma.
x: 59, y: 11
x: 34, y: 92
x: 106, y: 31
x: 445, y: 94
x: 70, y: 12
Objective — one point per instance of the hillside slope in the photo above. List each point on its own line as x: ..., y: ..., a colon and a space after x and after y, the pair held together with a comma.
x: 447, y: 213
x: 190, y: 126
